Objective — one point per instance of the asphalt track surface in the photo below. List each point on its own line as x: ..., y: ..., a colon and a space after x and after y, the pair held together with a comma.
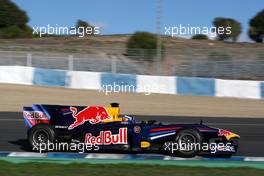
x: 251, y: 130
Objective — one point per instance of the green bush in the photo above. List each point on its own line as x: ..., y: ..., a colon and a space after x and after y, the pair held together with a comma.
x: 13, y: 21
x: 83, y: 25
x: 15, y: 32
x: 256, y: 29
x: 143, y: 45
x: 200, y: 37
x: 235, y: 28
x: 11, y: 14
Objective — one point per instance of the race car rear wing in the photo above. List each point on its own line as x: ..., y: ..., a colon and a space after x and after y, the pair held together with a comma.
x: 33, y: 115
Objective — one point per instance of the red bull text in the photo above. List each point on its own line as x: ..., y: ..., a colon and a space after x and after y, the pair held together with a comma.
x: 107, y: 138
x: 35, y: 117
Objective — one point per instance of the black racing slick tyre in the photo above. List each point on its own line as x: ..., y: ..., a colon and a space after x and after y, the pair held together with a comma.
x: 189, y: 143
x: 41, y: 134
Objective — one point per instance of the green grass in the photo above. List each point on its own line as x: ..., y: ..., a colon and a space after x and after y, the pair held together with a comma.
x: 50, y: 169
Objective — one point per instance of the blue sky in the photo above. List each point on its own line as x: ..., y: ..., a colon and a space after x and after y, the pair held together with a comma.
x: 128, y: 16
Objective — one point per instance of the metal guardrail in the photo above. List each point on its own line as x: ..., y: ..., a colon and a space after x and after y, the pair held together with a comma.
x: 194, y: 64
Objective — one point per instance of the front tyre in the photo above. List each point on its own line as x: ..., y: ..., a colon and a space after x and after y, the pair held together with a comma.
x: 41, y: 134
x: 189, y: 142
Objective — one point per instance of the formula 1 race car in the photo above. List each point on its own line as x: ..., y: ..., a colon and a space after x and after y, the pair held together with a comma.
x: 106, y: 129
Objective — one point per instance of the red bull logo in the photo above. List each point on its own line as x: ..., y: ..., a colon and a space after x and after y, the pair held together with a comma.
x: 93, y: 114
x: 107, y: 138
x: 224, y: 133
x: 229, y: 135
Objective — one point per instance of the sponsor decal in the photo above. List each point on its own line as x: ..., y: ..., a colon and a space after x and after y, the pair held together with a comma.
x: 161, y: 135
x: 164, y: 129
x: 224, y: 133
x: 137, y: 129
x: 229, y: 135
x: 92, y: 114
x: 35, y: 115
x: 61, y: 127
x: 107, y: 138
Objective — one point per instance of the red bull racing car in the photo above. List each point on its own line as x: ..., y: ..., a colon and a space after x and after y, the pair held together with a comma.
x: 107, y: 131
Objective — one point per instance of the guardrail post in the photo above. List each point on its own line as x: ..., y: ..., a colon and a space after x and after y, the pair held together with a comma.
x: 70, y: 62
x: 29, y: 59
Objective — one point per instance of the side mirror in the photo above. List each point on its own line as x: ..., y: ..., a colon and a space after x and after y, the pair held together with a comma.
x: 114, y: 105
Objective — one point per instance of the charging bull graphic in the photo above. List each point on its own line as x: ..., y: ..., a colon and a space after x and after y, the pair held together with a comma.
x: 224, y: 133
x: 93, y: 114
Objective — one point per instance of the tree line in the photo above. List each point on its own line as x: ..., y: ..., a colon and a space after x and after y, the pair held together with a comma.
x: 13, y: 24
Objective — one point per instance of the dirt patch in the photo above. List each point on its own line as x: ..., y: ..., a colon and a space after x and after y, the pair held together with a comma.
x: 14, y: 97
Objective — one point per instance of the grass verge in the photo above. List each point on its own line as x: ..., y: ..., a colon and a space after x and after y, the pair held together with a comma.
x: 81, y: 169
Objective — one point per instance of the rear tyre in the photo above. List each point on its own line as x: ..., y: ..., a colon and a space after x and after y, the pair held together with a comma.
x: 190, y: 140
x: 41, y: 134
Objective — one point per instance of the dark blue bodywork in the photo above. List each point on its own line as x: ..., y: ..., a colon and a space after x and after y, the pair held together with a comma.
x: 156, y: 134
